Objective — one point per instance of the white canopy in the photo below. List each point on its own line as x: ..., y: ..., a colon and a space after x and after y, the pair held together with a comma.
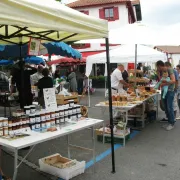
x: 125, y: 54
x: 40, y: 16
x: 140, y: 33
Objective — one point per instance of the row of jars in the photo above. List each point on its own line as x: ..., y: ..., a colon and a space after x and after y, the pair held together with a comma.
x: 59, y: 112
x: 13, y: 125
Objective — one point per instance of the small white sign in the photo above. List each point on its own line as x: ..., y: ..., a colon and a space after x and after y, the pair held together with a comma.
x: 34, y: 47
x: 50, y: 98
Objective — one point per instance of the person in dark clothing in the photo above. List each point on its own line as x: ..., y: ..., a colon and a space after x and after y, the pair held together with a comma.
x: 125, y: 76
x: 23, y: 87
x: 43, y: 83
x: 139, y: 66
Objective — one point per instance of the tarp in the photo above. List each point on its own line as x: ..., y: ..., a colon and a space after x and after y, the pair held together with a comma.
x: 43, y: 15
x: 125, y: 54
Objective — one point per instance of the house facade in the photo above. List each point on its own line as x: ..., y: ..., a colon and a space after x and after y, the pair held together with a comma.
x: 117, y: 12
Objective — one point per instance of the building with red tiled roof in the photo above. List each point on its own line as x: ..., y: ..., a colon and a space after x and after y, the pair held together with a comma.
x: 117, y: 12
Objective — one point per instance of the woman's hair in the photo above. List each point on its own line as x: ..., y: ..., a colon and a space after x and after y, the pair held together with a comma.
x: 45, y: 72
x: 57, y: 74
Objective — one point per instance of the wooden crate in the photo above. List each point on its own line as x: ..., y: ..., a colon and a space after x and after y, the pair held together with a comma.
x: 61, y: 99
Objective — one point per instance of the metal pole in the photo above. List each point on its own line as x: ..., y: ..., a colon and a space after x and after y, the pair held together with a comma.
x: 135, y: 63
x: 22, y: 72
x: 89, y: 98
x: 110, y: 105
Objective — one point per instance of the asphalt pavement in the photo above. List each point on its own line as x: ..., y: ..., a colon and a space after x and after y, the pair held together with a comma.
x: 152, y: 154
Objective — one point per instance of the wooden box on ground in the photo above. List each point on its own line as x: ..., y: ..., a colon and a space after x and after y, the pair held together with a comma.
x: 61, y: 99
x: 59, y: 161
x: 64, y: 173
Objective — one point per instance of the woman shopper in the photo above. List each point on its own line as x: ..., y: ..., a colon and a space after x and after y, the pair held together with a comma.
x: 43, y: 83
x: 72, y: 81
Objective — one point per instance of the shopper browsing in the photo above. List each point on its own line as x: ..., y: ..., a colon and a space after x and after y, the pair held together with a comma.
x: 164, y: 88
x: 168, y: 100
x: 43, y: 83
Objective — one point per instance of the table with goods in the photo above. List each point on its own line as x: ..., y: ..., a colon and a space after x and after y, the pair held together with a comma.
x: 134, y: 105
x: 33, y: 125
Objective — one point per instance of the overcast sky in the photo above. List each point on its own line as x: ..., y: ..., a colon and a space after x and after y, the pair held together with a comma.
x: 159, y: 12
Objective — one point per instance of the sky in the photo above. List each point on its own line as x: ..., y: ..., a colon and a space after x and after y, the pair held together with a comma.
x: 158, y: 12
x: 161, y: 12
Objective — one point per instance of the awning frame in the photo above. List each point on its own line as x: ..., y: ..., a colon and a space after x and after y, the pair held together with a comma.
x: 39, y: 35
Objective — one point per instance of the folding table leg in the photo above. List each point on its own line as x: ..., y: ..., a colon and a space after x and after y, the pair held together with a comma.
x: 69, y: 154
x: 94, y: 151
x: 15, y: 164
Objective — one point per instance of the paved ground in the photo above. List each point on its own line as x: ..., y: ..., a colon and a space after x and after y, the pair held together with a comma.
x: 153, y: 154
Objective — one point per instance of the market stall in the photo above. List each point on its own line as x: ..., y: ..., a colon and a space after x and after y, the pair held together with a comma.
x: 48, y: 21
x: 132, y: 107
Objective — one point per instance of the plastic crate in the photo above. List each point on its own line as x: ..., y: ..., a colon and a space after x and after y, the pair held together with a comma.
x: 66, y: 173
x: 117, y: 140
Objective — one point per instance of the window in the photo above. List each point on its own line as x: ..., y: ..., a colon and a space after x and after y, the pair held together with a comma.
x: 85, y: 12
x: 109, y: 13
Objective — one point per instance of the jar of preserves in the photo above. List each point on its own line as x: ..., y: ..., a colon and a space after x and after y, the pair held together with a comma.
x: 32, y: 118
x: 10, y: 123
x: 66, y: 118
x: 53, y: 114
x: 1, y: 131
x: 33, y: 126
x: 38, y: 118
x: 5, y: 131
x: 61, y: 119
x: 48, y: 123
x: 1, y: 122
x: 57, y: 113
x: 78, y: 108
x: 10, y: 131
x: 43, y: 125
x: 5, y: 122
x: 48, y: 115
x: 71, y: 103
x: 43, y: 116
x: 53, y: 123
x: 70, y: 110
x: 57, y: 121
x: 66, y: 111
x: 38, y: 125
x: 61, y: 111
x: 74, y: 110
x: 27, y: 110
x: 32, y: 109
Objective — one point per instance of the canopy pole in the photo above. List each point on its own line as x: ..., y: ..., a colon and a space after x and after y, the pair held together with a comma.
x: 89, y: 98
x: 110, y: 105
x: 22, y: 73
x: 135, y: 63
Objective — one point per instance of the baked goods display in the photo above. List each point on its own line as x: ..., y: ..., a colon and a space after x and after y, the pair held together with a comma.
x: 121, y: 100
x: 139, y: 81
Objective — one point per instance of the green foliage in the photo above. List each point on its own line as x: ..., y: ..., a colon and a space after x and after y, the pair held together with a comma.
x: 97, y: 77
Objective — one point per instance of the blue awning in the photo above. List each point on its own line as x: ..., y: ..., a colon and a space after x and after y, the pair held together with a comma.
x: 57, y: 48
x: 30, y: 60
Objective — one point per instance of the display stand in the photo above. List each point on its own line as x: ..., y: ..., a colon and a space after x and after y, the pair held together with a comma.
x: 128, y: 117
x: 36, y: 138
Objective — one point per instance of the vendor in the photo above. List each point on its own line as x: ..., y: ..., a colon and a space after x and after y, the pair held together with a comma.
x: 24, y: 88
x: 117, y: 82
x: 43, y: 83
x: 37, y: 76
